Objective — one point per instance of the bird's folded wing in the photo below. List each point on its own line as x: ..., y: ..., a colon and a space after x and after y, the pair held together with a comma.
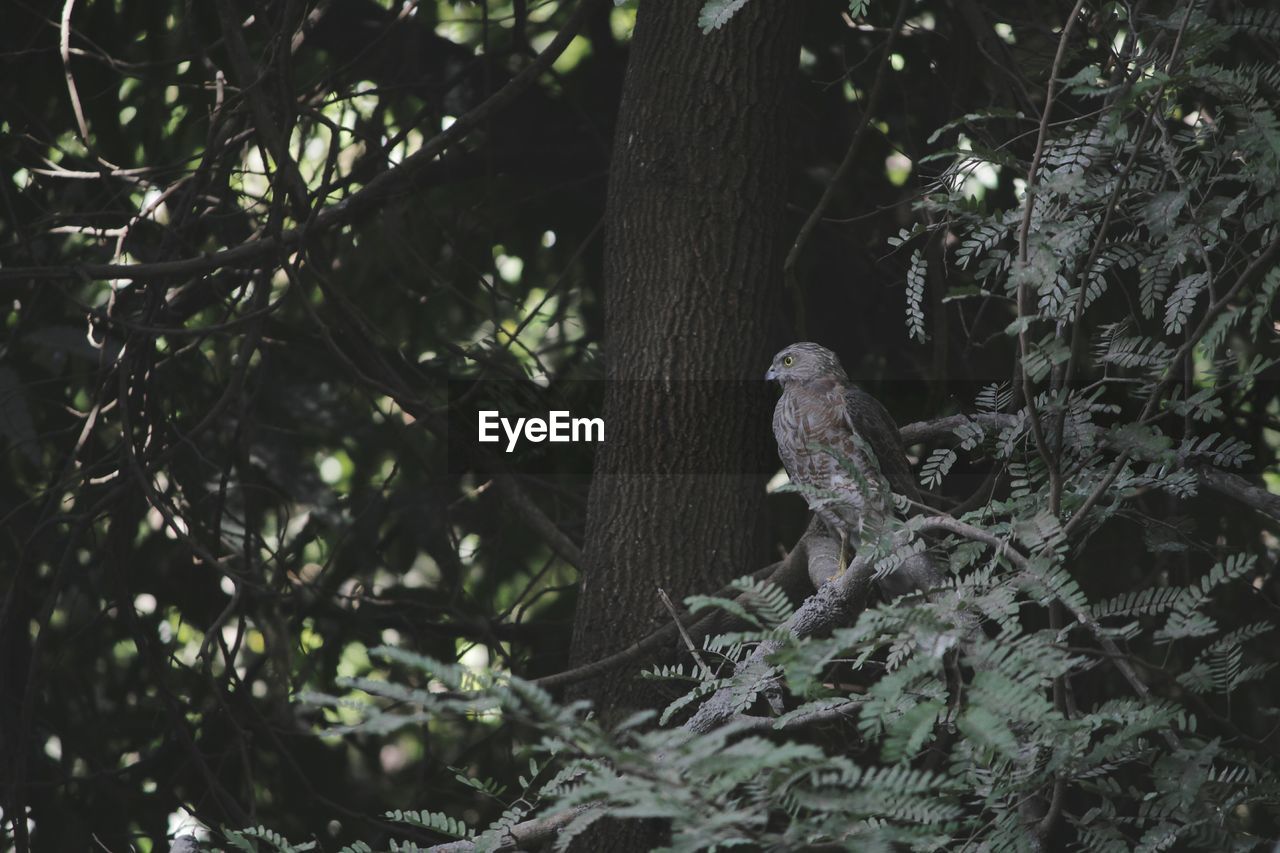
x: 873, y: 422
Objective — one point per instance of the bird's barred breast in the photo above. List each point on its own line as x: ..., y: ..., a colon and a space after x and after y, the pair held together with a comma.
x: 804, y: 421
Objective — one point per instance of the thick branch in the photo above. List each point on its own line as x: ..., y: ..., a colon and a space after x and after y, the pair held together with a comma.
x: 838, y: 602
x: 1238, y: 488
x: 923, y: 431
x: 528, y: 833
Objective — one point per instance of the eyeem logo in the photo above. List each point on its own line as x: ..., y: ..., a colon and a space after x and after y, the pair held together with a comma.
x: 558, y: 426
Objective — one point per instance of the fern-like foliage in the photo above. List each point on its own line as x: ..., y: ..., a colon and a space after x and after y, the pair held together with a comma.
x: 259, y: 839
x: 716, y: 13
x: 915, y: 296
x: 895, y: 680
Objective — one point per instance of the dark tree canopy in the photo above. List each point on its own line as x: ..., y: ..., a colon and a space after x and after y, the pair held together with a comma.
x: 262, y: 260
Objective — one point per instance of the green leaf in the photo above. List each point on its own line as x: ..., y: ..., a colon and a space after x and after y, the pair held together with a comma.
x: 906, y: 735
x: 988, y: 730
x: 716, y: 13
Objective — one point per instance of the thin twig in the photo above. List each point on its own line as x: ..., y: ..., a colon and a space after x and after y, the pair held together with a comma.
x: 873, y: 101
x: 250, y: 79
x: 1113, y: 204
x: 64, y: 47
x: 1223, y: 482
x: 1061, y: 686
x: 397, y: 180
x: 644, y: 645
x: 684, y: 635
x: 1050, y: 93
x: 1004, y: 548
x: 1033, y: 172
x: 1259, y: 267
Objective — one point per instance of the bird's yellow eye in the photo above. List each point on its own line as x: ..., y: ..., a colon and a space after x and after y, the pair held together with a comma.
x: 787, y: 361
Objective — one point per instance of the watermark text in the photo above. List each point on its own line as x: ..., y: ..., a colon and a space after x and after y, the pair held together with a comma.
x: 558, y: 426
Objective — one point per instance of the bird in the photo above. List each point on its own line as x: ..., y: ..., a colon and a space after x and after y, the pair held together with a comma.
x: 842, y: 451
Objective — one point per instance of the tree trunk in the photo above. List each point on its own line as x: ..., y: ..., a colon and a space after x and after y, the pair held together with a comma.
x: 692, y: 280
x: 694, y: 249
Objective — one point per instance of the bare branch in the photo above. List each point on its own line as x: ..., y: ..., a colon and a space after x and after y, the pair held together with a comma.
x: 922, y: 431
x: 659, y: 638
x: 1033, y: 172
x: 64, y: 47
x: 394, y: 181
x: 518, y: 499
x: 684, y: 635
x: 851, y: 154
x: 249, y: 78
x: 1238, y: 488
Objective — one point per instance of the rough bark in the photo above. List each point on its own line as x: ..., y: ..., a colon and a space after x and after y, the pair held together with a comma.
x: 694, y: 245
x: 693, y: 255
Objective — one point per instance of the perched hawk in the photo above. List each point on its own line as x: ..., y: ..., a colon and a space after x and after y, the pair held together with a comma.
x: 839, y: 446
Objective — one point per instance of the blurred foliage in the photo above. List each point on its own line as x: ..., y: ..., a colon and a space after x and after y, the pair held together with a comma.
x: 213, y: 493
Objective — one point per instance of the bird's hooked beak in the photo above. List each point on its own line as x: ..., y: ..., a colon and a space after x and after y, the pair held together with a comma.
x: 770, y: 375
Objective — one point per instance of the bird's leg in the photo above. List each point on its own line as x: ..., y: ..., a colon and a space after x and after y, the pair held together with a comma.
x: 844, y: 547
